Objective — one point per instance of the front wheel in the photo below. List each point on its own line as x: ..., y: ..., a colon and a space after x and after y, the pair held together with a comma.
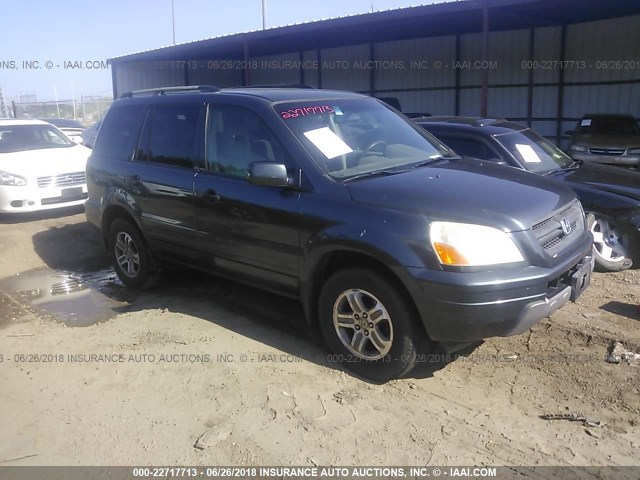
x: 368, y: 324
x: 611, y: 247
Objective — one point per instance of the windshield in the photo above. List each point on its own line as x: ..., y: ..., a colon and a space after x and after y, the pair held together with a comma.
x: 608, y: 126
x: 350, y: 137
x: 534, y: 152
x: 17, y: 138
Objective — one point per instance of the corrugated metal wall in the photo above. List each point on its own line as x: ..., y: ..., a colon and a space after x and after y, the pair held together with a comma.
x: 441, y: 76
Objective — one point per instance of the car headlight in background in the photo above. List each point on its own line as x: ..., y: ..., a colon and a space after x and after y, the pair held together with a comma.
x: 578, y: 148
x: 633, y: 151
x: 13, y: 180
x: 465, y: 244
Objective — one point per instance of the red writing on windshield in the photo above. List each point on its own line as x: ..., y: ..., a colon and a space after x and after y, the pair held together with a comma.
x: 304, y: 111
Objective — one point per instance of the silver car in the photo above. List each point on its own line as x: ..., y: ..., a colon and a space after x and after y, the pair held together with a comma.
x: 606, y: 138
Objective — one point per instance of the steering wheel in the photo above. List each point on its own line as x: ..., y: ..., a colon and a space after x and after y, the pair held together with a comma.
x: 369, y: 151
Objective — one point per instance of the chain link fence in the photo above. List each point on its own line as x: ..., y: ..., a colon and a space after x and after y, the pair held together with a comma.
x: 87, y: 110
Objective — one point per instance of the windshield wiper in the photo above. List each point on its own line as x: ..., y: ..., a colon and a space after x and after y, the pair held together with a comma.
x: 375, y: 173
x: 574, y: 166
x: 434, y: 160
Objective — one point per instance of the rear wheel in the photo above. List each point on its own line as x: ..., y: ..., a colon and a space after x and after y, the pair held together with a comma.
x: 611, y: 246
x: 130, y: 255
x: 368, y: 324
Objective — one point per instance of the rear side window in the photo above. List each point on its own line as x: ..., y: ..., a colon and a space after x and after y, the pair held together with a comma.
x: 172, y: 136
x: 119, y: 132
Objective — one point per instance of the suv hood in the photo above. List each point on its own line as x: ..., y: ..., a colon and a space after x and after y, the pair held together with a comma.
x: 468, y: 191
x: 608, y: 141
x: 606, y: 178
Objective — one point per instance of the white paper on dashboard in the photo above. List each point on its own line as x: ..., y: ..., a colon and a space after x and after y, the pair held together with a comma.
x: 586, y: 122
x: 330, y: 144
x: 528, y: 154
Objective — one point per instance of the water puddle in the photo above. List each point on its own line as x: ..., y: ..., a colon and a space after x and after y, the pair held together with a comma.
x: 80, y: 299
x: 76, y: 299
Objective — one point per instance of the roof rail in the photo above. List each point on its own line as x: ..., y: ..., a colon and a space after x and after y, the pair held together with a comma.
x: 483, y: 122
x: 177, y: 89
x: 277, y: 85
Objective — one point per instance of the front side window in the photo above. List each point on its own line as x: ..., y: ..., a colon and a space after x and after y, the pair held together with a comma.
x: 534, y: 152
x: 236, y: 138
x: 171, y: 136
x: 351, y: 137
x: 470, y: 147
x: 18, y: 138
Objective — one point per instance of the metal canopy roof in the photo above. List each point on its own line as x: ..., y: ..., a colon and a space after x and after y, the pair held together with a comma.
x: 413, y: 22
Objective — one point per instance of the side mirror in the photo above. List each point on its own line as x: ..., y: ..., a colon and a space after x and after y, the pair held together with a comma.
x: 76, y: 140
x: 268, y: 174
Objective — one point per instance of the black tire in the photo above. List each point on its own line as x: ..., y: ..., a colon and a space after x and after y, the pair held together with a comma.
x: 605, y: 263
x: 146, y: 274
x: 407, y: 334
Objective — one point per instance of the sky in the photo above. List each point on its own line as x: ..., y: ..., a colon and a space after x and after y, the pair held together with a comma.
x: 58, y: 34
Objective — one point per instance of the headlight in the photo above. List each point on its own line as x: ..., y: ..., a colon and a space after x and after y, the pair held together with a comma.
x: 465, y: 244
x: 9, y: 179
x: 578, y: 148
x: 633, y: 151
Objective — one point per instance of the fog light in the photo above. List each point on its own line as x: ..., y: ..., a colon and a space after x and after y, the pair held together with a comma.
x: 17, y: 203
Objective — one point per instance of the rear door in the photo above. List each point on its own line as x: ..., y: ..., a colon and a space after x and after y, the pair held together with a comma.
x: 169, y: 154
x: 244, y: 229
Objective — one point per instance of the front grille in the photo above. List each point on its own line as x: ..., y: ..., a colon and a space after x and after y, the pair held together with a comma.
x: 64, y: 180
x: 551, y: 233
x: 607, y: 151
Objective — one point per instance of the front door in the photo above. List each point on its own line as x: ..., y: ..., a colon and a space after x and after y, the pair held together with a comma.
x: 244, y: 229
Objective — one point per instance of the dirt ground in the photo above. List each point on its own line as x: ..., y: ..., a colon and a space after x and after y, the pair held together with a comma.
x: 203, y: 361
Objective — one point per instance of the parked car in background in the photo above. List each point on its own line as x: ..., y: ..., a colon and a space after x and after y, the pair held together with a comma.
x: 609, y: 195
x: 71, y: 128
x: 606, y: 138
x: 389, y: 239
x: 90, y: 134
x: 395, y: 103
x: 40, y: 168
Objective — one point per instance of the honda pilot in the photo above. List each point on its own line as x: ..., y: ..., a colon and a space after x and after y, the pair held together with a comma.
x: 390, y: 240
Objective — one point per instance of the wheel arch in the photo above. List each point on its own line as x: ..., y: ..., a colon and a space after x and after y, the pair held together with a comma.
x: 340, y: 258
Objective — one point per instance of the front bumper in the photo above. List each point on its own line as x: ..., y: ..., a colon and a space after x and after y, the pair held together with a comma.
x: 470, y: 306
x: 23, y: 199
x: 625, y: 160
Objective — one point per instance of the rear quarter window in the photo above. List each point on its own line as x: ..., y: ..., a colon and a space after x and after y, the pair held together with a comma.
x: 119, y: 132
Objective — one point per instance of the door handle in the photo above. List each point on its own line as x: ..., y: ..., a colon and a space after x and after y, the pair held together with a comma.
x: 210, y: 196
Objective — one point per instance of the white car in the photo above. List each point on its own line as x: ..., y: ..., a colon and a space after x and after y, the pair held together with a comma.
x: 40, y: 167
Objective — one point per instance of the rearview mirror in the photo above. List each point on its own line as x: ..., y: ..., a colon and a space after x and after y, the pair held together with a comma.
x: 268, y: 174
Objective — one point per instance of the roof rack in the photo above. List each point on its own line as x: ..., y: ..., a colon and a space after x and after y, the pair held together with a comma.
x: 165, y: 90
